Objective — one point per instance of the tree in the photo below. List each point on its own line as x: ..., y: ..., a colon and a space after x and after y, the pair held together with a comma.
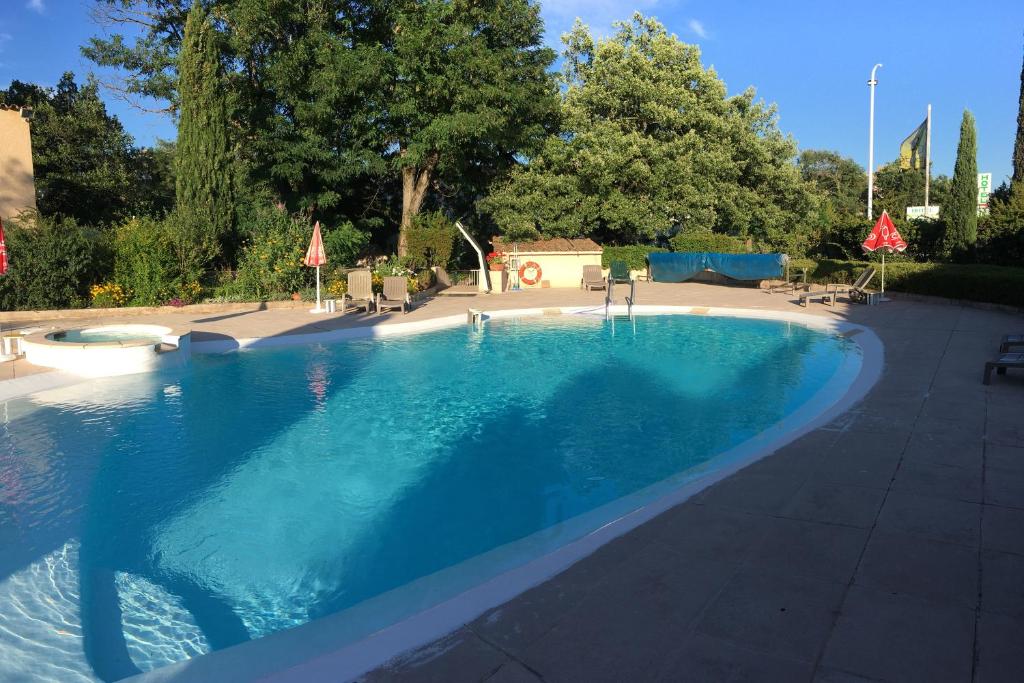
x: 653, y: 145
x: 961, y: 213
x: 1018, y: 145
x: 203, y: 187
x: 85, y: 163
x: 469, y: 91
x: 838, y: 178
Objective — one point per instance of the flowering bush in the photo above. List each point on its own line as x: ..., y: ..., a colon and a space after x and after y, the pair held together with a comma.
x: 271, y: 259
x: 336, y: 288
x: 495, y: 258
x: 107, y: 295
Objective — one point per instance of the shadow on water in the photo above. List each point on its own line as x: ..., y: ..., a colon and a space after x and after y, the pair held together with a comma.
x: 547, y: 465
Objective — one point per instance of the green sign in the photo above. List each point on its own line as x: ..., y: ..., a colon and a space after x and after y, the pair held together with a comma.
x: 984, y: 189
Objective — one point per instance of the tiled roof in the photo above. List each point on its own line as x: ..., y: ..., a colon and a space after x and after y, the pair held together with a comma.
x: 559, y: 244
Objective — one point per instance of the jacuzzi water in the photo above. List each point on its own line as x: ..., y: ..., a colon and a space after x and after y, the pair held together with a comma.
x: 101, y: 335
x: 151, y: 518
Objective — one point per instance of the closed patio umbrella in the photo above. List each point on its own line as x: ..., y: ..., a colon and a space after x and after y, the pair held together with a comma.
x: 315, y: 257
x: 885, y: 237
x: 3, y: 250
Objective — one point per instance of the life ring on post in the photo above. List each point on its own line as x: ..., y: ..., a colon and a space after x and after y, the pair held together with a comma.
x: 530, y: 273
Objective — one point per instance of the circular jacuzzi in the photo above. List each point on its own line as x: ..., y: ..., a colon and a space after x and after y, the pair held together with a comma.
x: 108, y: 350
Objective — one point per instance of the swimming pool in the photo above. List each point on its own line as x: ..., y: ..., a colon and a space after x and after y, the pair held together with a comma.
x: 156, y: 517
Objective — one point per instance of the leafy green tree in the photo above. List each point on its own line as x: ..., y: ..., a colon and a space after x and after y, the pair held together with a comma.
x: 840, y: 179
x: 961, y: 212
x: 1018, y: 144
x: 85, y: 163
x: 653, y: 145
x: 469, y: 91
x: 203, y: 153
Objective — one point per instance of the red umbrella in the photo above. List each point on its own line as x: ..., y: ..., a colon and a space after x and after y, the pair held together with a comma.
x: 315, y: 257
x: 3, y: 250
x: 885, y: 237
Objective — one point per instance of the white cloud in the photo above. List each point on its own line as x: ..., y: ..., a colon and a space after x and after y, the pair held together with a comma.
x: 698, y: 28
x: 36, y: 6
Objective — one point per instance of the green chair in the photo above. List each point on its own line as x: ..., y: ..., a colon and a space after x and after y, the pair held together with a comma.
x: 619, y: 272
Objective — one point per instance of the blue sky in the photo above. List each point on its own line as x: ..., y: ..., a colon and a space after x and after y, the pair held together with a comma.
x: 812, y: 60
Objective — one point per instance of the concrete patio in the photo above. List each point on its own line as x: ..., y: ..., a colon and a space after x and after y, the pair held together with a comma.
x: 886, y: 546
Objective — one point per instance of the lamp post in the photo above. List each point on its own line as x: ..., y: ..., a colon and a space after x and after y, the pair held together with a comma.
x: 871, y: 141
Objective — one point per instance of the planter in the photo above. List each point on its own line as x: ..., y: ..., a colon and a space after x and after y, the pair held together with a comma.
x: 497, y: 266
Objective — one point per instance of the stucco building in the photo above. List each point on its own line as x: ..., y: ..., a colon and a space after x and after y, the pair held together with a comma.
x: 17, y: 181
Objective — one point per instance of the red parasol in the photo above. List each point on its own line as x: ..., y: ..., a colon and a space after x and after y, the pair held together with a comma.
x: 315, y: 257
x: 885, y: 237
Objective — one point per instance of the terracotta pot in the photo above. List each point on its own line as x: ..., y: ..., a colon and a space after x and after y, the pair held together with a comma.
x: 296, y: 297
x: 497, y: 266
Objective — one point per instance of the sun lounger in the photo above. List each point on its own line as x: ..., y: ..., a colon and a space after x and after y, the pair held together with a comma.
x: 360, y: 290
x: 1001, y: 364
x: 1010, y: 341
x: 858, y: 290
x: 395, y: 295
x: 797, y: 281
x: 592, y: 278
x: 619, y: 272
x: 825, y: 296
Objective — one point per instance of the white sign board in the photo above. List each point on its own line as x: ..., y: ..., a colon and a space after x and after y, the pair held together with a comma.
x: 919, y: 212
x: 984, y: 189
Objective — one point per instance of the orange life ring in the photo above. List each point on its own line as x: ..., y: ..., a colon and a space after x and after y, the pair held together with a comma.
x: 530, y: 265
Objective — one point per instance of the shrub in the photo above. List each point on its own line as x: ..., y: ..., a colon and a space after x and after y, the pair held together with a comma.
x: 144, y: 262
x: 634, y: 255
x: 430, y: 240
x: 51, y: 265
x: 271, y: 259
x: 706, y: 241
x: 344, y: 244
x: 107, y: 295
x: 969, y: 282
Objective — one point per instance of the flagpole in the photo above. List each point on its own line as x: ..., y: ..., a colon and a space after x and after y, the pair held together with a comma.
x: 927, y: 159
x: 871, y: 140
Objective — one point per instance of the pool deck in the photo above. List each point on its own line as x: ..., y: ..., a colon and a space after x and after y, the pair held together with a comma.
x: 886, y: 546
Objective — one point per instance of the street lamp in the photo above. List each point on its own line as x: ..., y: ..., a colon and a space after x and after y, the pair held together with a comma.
x: 871, y: 140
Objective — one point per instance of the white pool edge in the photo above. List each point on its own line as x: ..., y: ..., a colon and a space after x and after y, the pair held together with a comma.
x: 262, y: 659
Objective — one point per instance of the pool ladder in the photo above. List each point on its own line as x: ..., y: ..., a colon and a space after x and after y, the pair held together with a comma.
x: 630, y: 300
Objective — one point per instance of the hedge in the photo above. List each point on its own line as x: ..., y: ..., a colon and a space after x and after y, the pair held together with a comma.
x: 634, y: 255
x: 714, y: 242
x: 970, y: 282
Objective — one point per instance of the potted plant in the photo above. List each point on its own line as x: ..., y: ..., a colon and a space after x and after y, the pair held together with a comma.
x: 496, y: 260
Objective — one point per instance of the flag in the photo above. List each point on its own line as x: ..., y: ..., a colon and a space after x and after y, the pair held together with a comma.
x: 913, y: 148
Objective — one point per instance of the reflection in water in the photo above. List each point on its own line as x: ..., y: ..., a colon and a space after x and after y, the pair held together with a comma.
x: 252, y: 492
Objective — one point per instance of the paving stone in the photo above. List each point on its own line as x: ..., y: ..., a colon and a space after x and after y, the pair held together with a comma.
x: 753, y: 492
x: 774, y: 612
x: 702, y: 658
x: 513, y: 672
x: 920, y: 567
x: 826, y: 675
x: 1003, y: 529
x: 1000, y: 649
x: 1005, y: 458
x: 953, y: 521
x: 1002, y: 583
x: 622, y: 632
x: 940, y: 481
x: 857, y: 464
x: 707, y: 531
x: 459, y: 656
x: 812, y: 549
x: 1005, y: 426
x: 901, y: 639
x: 836, y: 504
x: 964, y: 450
x: 1004, y: 487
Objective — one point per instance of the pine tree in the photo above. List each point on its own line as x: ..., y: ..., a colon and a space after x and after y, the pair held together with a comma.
x: 961, y: 214
x: 203, y: 160
x: 1018, y: 145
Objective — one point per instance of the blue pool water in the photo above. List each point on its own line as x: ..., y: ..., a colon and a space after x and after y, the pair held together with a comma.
x: 99, y: 336
x: 151, y: 518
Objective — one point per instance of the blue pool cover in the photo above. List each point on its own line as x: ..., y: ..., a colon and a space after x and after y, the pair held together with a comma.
x: 681, y: 266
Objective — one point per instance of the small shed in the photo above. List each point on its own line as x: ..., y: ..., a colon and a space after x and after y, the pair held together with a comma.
x: 560, y: 260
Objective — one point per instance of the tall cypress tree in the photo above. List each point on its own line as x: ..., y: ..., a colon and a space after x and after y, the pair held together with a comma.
x: 961, y: 214
x: 204, y: 187
x: 1018, y: 145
